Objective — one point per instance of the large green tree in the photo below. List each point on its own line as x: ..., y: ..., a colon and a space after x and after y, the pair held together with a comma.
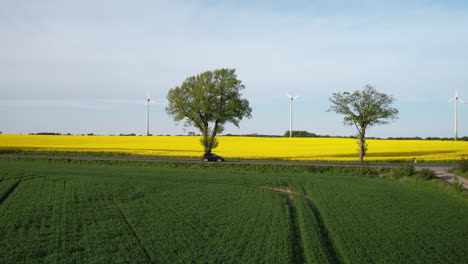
x: 363, y: 109
x: 208, y: 101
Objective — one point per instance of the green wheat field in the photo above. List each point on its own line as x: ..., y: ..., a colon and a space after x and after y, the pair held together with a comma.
x: 98, y: 213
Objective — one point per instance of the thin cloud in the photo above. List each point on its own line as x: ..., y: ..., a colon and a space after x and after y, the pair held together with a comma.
x: 47, y: 103
x: 95, y: 104
x: 131, y: 102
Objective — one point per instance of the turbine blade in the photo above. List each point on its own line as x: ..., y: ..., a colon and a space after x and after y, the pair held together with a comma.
x: 461, y: 100
x: 451, y: 99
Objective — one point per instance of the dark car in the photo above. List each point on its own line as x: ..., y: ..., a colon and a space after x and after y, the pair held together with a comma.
x: 212, y: 157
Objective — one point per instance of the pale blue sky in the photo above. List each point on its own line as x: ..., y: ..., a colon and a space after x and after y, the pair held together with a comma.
x: 85, y: 66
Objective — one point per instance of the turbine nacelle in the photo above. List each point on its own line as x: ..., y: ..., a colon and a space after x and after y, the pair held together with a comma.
x: 148, y: 97
x: 456, y: 98
x: 292, y: 97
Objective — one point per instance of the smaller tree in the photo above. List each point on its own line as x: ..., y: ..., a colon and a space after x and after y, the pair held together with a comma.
x: 364, y: 109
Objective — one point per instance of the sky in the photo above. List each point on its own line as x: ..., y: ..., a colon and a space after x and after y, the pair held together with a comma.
x: 86, y: 66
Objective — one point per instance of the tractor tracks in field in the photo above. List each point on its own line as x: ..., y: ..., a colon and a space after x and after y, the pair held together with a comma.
x: 289, y: 193
x: 297, y: 244
x: 9, y: 192
x: 298, y: 249
x: 60, y: 235
x: 14, y: 186
x: 132, y: 230
x: 325, y: 237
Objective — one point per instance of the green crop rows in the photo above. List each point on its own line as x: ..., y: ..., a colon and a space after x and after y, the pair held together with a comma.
x: 74, y: 213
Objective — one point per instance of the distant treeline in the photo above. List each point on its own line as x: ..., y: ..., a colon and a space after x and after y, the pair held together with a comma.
x: 295, y: 133
x: 47, y: 134
x: 58, y: 134
x: 250, y: 135
x: 307, y: 134
x: 302, y: 133
x: 428, y: 138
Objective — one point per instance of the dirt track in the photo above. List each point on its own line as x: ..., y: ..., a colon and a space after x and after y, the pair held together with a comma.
x: 442, y: 173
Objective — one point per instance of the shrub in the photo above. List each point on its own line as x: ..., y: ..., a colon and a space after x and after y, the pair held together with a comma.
x: 367, y: 171
x: 371, y: 171
x: 463, y: 165
x: 402, y: 171
x: 427, y: 174
x: 457, y: 185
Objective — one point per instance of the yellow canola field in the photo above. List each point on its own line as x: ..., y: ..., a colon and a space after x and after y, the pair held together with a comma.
x: 320, y: 149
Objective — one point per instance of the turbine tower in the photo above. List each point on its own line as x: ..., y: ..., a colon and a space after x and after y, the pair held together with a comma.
x: 456, y: 99
x: 291, y: 98
x: 147, y: 113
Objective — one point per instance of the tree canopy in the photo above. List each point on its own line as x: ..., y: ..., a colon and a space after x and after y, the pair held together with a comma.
x: 208, y: 101
x: 364, y: 109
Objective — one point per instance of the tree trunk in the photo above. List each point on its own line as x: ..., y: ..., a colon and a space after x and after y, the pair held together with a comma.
x: 212, y: 139
x: 361, y: 152
x: 362, y: 146
x: 208, y: 143
x: 205, y: 143
x: 206, y: 139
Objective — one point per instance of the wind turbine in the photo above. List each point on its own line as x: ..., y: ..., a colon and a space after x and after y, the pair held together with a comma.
x: 147, y: 112
x: 291, y: 98
x: 456, y: 99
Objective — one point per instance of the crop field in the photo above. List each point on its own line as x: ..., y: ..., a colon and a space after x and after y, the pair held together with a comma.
x: 75, y: 213
x: 311, y: 149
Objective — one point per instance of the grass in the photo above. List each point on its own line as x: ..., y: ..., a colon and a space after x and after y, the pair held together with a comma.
x: 234, y: 167
x: 459, y: 173
x: 98, y: 212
